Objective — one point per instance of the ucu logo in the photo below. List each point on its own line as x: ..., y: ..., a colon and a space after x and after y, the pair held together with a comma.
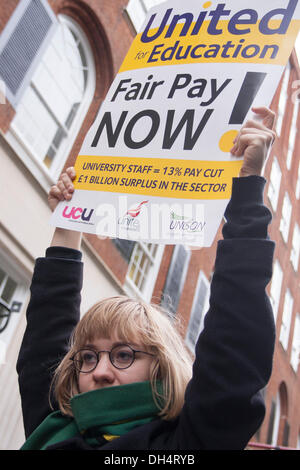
x: 77, y: 213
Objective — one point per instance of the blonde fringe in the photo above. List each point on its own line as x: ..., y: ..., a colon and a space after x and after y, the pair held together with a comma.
x: 132, y: 320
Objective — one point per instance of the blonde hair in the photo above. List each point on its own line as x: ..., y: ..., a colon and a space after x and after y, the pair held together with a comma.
x: 130, y: 319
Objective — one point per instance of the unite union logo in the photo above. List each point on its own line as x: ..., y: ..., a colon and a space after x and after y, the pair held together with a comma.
x: 129, y: 221
x: 134, y: 212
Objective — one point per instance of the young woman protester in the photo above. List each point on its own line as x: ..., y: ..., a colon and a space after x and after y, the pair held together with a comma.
x: 125, y: 380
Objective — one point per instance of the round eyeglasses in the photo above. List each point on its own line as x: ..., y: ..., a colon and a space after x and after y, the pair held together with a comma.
x: 121, y: 356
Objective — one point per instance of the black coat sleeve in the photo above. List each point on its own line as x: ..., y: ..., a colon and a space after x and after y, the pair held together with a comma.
x: 52, y: 315
x: 223, y: 403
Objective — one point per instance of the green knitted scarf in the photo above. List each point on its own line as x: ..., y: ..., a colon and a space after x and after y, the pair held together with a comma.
x: 109, y: 412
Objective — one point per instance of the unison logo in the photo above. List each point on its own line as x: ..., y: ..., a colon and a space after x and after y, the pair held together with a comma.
x: 186, y: 224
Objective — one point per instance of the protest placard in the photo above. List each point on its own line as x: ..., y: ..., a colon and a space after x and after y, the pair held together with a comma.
x: 156, y: 164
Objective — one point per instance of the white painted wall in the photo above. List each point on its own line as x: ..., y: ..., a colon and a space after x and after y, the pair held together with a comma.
x: 25, y: 233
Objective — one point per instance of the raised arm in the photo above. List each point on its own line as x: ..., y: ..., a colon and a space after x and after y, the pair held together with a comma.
x: 224, y: 406
x: 61, y: 191
x: 52, y: 314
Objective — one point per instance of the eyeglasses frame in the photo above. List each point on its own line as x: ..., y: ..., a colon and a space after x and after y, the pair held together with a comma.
x: 109, y: 355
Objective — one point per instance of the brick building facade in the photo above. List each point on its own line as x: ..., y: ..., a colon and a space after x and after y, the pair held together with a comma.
x: 99, y: 35
x: 282, y: 421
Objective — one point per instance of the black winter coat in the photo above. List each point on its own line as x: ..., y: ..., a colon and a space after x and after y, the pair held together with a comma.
x: 223, y: 401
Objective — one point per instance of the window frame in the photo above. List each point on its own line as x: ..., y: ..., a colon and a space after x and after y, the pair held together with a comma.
x: 283, y: 98
x: 172, y: 310
x: 20, y: 295
x: 275, y: 292
x: 292, y: 135
x: 286, y: 215
x: 130, y: 287
x: 286, y: 319
x: 274, y: 184
x: 295, y: 250
x: 295, y: 351
x: 38, y: 169
x: 297, y: 191
x: 276, y: 422
x: 8, y: 32
x: 201, y: 279
x: 141, y: 6
x: 136, y: 19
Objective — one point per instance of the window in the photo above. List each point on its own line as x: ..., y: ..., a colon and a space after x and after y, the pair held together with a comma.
x: 295, y: 248
x: 279, y: 428
x: 22, y: 43
x: 199, y: 309
x: 7, y: 290
x: 50, y: 113
x: 2, y: 92
x: 295, y: 354
x: 12, y: 294
x: 137, y: 10
x: 276, y: 287
x: 298, y: 184
x: 152, y: 3
x: 175, y: 278
x: 293, y: 134
x: 286, y: 217
x: 283, y: 99
x: 274, y: 185
x: 125, y: 247
x: 286, y: 319
x: 286, y: 433
x: 274, y: 421
x: 143, y: 268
